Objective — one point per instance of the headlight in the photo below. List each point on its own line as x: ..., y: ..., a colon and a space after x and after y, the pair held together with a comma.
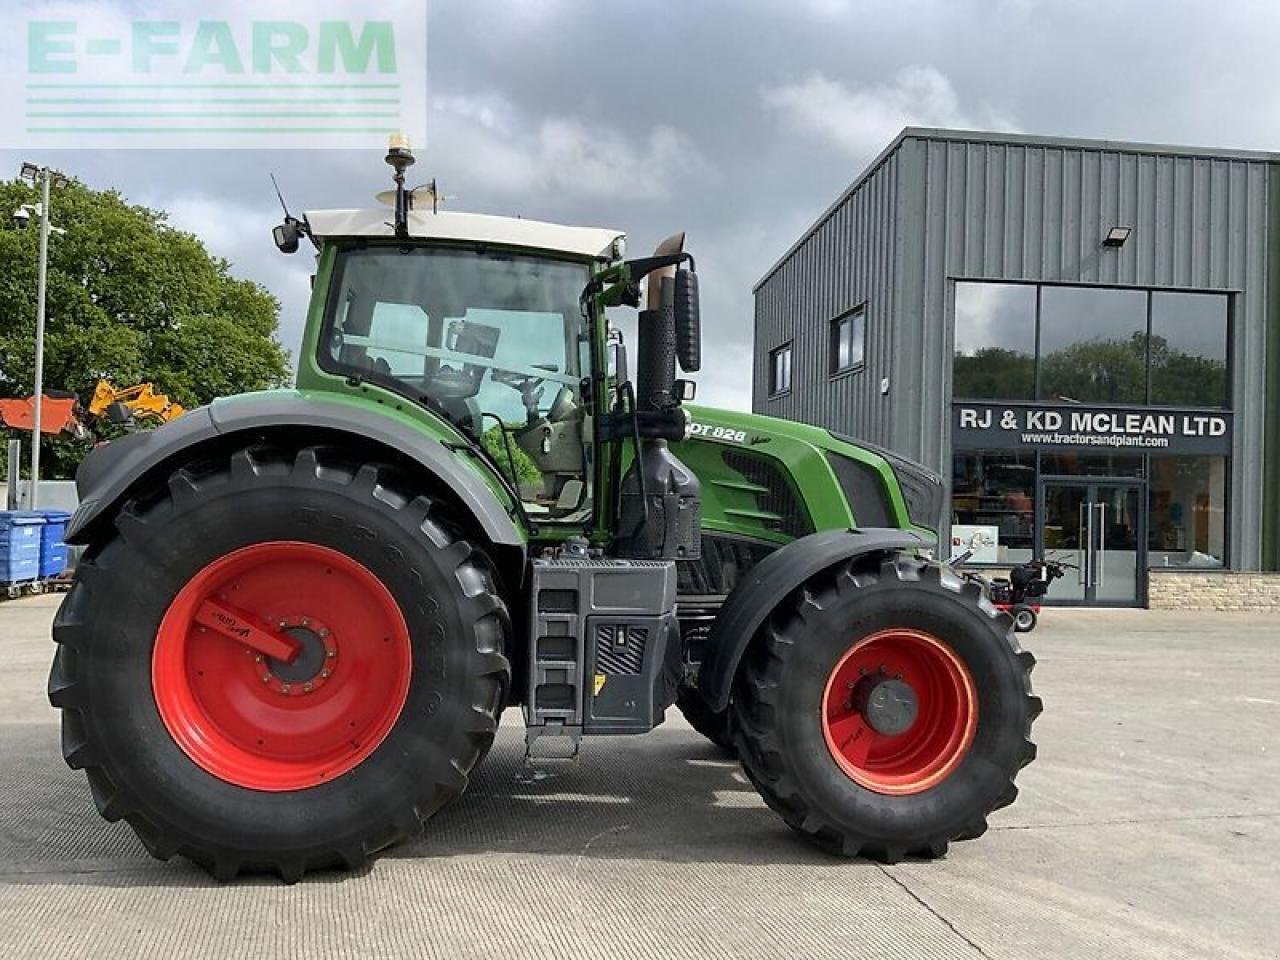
x: 922, y: 489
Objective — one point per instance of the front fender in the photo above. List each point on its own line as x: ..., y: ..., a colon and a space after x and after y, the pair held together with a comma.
x: 111, y: 472
x: 770, y: 582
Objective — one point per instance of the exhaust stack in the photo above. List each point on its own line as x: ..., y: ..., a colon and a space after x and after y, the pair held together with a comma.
x: 660, y: 502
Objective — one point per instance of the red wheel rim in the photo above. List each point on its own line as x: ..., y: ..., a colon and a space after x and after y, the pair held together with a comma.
x: 252, y: 721
x: 945, y: 719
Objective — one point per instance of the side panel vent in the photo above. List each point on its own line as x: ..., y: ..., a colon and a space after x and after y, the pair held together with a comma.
x: 777, y: 506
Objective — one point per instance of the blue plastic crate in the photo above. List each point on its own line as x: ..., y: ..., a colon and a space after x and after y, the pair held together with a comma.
x: 53, y: 551
x: 20, y: 545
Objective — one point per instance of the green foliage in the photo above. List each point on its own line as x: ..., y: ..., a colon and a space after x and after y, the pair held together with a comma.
x: 994, y: 373
x: 1186, y: 379
x: 130, y: 299
x: 1098, y: 371
x: 1095, y: 371
x: 526, y: 470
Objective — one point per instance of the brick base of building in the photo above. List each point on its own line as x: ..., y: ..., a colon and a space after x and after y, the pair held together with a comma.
x: 1214, y: 590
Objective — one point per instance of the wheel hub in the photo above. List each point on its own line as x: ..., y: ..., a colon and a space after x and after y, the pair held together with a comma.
x: 311, y: 667
x: 899, y: 711
x: 294, y: 720
x: 888, y: 704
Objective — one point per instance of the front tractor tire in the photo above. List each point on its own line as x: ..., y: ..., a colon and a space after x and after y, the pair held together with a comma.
x: 884, y: 710
x: 215, y: 751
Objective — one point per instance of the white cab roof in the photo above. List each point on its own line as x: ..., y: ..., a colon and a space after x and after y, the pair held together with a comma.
x: 450, y: 225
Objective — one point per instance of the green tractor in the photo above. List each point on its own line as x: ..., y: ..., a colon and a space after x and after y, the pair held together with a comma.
x: 300, y: 613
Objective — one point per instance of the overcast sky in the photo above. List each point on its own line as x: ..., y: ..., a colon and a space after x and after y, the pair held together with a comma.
x: 737, y: 122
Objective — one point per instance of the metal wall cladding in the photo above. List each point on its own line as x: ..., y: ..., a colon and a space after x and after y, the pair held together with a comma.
x: 942, y: 205
x: 846, y: 262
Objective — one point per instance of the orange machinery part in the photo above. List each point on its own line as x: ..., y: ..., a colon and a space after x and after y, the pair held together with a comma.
x: 56, y: 415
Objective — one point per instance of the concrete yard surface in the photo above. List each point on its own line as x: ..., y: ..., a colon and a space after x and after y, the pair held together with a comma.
x: 1148, y: 827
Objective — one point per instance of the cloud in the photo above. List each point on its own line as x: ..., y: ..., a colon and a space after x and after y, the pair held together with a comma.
x: 241, y: 234
x: 861, y: 121
x: 514, y: 154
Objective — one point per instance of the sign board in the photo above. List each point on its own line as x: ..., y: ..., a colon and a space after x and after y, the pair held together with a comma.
x: 1079, y: 427
x: 221, y: 74
x: 980, y: 541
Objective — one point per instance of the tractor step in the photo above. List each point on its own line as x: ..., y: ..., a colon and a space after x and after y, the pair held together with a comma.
x: 600, y: 630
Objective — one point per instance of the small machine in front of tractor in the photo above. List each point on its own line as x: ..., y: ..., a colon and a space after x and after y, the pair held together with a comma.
x: 301, y: 612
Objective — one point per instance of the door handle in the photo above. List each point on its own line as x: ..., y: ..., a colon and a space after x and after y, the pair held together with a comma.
x: 1082, y: 569
x: 1098, y: 572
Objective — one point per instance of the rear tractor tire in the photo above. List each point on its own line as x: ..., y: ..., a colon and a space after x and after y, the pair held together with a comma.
x: 241, y: 762
x: 885, y: 709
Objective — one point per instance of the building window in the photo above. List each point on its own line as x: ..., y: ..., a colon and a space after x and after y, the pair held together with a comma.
x: 848, y: 341
x: 993, y: 505
x: 1093, y: 345
x: 780, y: 370
x: 1189, y: 349
x: 1187, y: 525
x: 995, y: 351
x: 1073, y: 344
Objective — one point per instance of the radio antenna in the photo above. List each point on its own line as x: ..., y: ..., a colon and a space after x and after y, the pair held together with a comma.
x: 284, y: 206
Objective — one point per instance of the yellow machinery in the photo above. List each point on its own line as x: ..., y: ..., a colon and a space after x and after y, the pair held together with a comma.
x: 138, y: 402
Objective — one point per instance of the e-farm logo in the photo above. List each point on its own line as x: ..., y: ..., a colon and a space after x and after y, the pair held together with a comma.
x: 221, y: 74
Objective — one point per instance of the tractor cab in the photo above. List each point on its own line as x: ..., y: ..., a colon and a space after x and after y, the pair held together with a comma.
x: 480, y: 320
x: 496, y: 327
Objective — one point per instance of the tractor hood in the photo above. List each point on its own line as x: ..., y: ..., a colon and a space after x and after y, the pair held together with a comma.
x: 916, y: 492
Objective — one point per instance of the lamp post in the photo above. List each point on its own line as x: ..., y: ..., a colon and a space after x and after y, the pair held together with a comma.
x: 44, y: 176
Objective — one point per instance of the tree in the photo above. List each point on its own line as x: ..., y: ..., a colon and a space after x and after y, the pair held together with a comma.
x: 131, y: 299
x: 994, y: 373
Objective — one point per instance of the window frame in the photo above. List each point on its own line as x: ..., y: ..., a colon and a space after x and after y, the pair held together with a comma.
x: 840, y: 322
x: 774, y: 354
x: 1231, y: 295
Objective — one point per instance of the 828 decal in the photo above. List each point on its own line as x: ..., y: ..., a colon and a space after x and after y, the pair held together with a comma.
x: 712, y: 432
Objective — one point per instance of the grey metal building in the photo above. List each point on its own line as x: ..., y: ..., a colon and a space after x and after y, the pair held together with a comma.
x: 1074, y: 333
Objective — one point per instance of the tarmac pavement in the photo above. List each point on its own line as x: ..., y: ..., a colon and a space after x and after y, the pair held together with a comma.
x: 1148, y: 827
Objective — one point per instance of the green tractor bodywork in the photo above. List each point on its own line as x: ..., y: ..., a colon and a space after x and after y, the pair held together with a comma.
x: 542, y: 528
x: 803, y: 458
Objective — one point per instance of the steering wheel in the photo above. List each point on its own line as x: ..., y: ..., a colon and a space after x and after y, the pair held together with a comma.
x: 529, y: 388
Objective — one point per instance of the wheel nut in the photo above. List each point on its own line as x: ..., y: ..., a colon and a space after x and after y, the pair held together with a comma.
x: 306, y: 687
x: 324, y: 674
x: 323, y: 633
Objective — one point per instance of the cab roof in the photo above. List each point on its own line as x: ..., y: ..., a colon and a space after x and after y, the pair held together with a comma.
x: 594, y: 242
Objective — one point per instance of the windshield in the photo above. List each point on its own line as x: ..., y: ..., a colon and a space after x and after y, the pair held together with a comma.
x: 490, y: 339
x: 459, y: 324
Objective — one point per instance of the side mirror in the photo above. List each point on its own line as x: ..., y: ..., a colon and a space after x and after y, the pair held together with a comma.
x: 688, y: 321
x: 287, y: 236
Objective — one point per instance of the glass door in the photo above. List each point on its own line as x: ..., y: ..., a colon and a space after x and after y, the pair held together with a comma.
x: 1097, y: 527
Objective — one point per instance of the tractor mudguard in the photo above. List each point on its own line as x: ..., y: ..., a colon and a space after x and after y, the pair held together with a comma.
x: 108, y: 474
x: 769, y: 582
